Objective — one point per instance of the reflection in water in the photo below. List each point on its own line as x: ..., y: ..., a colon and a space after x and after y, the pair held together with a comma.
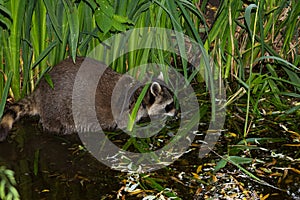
x: 54, y: 167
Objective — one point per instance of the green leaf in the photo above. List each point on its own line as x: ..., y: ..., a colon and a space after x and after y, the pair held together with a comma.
x: 9, y: 196
x: 294, y: 77
x: 2, y: 188
x: 248, y: 17
x: 295, y: 95
x: 47, y: 77
x: 45, y: 53
x: 247, y: 172
x: 190, y: 21
x: 119, y: 26
x: 240, y: 160
x: 6, y: 22
x: 14, y: 193
x: 92, y: 4
x: 153, y: 183
x: 280, y: 60
x: 5, y: 16
x: 5, y: 92
x: 136, y: 107
x: 275, y: 90
x: 42, y: 76
x: 7, y: 12
x: 103, y: 21
x: 106, y: 8
x: 72, y: 16
x: 122, y: 19
x: 221, y: 164
x: 18, y: 9
x: 10, y: 175
x: 291, y: 110
x: 53, y: 18
x: 261, y: 140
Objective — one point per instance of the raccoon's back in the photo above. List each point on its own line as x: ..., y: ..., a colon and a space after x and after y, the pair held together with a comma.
x: 55, y: 104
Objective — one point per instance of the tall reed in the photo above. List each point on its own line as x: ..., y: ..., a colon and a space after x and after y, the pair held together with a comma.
x: 258, y: 49
x: 35, y: 35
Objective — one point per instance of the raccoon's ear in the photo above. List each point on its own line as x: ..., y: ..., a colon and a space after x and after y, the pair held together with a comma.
x: 160, y: 76
x: 155, y: 88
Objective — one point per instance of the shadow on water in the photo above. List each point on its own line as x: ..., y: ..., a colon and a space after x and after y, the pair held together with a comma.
x: 54, y: 167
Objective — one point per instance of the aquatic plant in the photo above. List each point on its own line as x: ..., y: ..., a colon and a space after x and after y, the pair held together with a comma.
x: 7, y: 185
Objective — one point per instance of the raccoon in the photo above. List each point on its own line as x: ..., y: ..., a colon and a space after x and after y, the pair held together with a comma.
x: 54, y: 105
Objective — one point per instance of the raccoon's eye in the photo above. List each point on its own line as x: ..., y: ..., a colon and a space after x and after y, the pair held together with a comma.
x: 169, y: 107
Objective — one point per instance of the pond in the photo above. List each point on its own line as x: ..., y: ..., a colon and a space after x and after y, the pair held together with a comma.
x: 63, y: 171
x: 49, y: 166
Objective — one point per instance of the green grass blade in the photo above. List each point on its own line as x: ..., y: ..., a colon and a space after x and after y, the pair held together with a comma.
x: 136, y: 107
x: 248, y: 17
x: 47, y: 78
x: 51, y: 11
x: 44, y: 53
x: 189, y: 20
x: 280, y: 60
x: 72, y: 16
x: 5, y: 16
x: 5, y: 92
x: 17, y: 12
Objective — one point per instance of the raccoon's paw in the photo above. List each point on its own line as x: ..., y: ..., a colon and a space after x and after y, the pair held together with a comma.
x: 3, y: 132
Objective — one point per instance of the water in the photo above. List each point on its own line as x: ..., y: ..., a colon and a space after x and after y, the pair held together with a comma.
x: 49, y: 166
x: 64, y: 171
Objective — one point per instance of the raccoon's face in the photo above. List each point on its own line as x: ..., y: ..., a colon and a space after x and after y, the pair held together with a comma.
x: 161, y: 101
x: 157, y: 103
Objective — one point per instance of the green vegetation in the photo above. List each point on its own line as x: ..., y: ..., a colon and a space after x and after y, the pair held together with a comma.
x: 254, y: 44
x: 7, y: 185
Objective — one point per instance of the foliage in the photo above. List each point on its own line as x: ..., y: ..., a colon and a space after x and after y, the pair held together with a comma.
x: 7, y: 183
x: 37, y: 37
